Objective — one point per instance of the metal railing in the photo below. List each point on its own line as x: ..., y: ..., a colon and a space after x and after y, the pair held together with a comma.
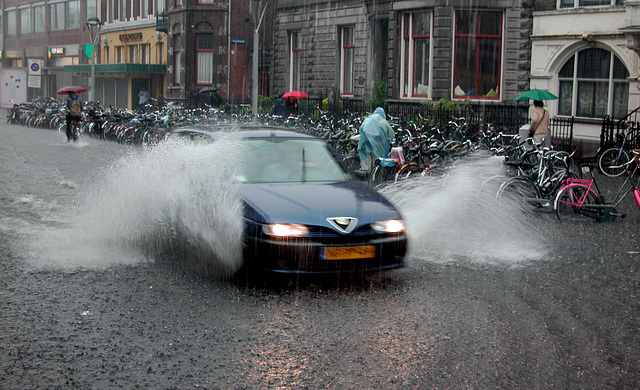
x: 612, y: 130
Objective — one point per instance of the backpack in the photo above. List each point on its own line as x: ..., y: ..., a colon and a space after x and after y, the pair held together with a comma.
x: 75, y: 110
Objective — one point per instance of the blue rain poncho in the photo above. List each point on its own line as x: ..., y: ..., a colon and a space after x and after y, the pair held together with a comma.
x: 376, y: 136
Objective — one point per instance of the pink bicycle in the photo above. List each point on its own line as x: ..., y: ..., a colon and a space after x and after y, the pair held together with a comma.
x: 580, y: 198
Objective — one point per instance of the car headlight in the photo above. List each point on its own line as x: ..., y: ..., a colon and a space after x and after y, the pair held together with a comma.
x: 389, y: 226
x: 285, y: 230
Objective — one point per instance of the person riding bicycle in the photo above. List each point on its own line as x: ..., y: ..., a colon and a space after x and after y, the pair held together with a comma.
x: 74, y: 113
x: 375, y: 140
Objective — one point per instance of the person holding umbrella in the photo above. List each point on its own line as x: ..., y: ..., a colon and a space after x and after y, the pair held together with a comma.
x: 539, y: 129
x: 539, y: 126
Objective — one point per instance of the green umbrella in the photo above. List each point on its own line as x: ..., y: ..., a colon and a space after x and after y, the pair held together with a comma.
x: 536, y: 94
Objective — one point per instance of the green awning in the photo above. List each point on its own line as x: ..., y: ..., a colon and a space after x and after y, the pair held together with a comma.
x: 117, y: 68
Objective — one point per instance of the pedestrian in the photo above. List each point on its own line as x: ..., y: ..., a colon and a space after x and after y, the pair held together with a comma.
x: 279, y: 105
x: 539, y: 128
x: 216, y: 100
x: 74, y: 113
x: 143, y: 96
x: 291, y: 106
x: 376, y: 136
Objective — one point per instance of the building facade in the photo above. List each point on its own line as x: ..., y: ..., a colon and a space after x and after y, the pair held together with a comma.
x: 421, y: 49
x: 583, y: 51
x: 172, y: 48
x: 51, y: 33
x: 211, y: 45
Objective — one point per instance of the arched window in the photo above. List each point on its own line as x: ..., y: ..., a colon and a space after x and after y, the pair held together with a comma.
x: 593, y: 84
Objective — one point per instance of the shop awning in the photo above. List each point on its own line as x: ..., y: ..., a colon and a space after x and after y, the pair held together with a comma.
x: 117, y: 68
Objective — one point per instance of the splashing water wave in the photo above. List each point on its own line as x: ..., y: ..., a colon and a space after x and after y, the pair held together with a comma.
x: 457, y: 217
x: 176, y: 199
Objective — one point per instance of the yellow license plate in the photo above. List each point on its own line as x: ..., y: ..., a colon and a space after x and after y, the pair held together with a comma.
x: 348, y: 252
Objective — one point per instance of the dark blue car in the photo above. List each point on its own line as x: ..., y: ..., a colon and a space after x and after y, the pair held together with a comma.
x: 304, y: 213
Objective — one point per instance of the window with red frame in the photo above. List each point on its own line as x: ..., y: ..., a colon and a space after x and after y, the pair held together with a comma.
x: 295, y: 53
x: 346, y: 65
x: 416, y: 52
x: 478, y: 55
x: 177, y: 57
x: 204, y: 58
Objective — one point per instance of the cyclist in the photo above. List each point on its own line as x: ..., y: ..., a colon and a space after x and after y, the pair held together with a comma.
x: 376, y: 136
x: 74, y: 113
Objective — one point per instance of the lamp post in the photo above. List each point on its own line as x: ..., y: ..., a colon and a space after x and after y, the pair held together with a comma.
x: 93, y: 23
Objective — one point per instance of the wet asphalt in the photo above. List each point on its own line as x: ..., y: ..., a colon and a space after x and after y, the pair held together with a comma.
x: 568, y: 317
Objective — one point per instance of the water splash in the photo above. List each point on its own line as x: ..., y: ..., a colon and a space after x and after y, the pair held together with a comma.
x: 456, y: 217
x: 176, y: 199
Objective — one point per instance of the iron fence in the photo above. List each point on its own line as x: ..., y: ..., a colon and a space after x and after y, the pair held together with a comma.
x: 614, y: 130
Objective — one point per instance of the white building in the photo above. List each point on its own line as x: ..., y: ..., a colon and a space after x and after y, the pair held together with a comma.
x: 580, y: 53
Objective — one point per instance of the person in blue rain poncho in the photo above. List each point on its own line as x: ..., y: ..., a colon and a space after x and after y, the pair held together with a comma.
x: 375, y: 140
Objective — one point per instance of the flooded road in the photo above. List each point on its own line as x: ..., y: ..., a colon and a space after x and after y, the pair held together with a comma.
x: 90, y: 299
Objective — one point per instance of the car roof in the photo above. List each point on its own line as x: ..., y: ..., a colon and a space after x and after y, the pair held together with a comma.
x: 245, y: 131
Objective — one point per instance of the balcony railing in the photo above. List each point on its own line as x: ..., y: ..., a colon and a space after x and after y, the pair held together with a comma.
x: 162, y: 22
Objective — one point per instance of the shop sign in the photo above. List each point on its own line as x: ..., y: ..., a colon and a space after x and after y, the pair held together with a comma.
x: 56, y: 51
x: 130, y: 37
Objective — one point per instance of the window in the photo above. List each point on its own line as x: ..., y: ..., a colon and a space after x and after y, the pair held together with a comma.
x: 145, y: 53
x: 25, y: 20
x: 92, y: 10
x: 145, y: 8
x: 160, y: 53
x: 204, y: 58
x: 119, y: 54
x: 72, y: 10
x: 584, y: 3
x: 65, y: 15
x: 39, y: 18
x: 593, y: 84
x: 133, y: 54
x: 178, y: 3
x: 415, y: 54
x: 206, y: 1
x: 347, y: 59
x: 294, y: 61
x: 478, y: 55
x: 177, y: 54
x: 11, y: 21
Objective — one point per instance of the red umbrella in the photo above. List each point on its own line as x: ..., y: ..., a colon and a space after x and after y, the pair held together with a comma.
x: 71, y: 89
x: 295, y: 95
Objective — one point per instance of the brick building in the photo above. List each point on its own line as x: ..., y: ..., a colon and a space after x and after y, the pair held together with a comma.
x: 421, y: 49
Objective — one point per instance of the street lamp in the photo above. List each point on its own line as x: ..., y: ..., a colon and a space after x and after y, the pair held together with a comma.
x: 93, y: 23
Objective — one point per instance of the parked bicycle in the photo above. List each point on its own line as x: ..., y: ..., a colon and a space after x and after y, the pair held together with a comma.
x: 538, y: 188
x: 579, y: 199
x: 613, y: 162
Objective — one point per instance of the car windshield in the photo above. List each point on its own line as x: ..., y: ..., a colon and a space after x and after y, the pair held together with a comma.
x: 279, y: 160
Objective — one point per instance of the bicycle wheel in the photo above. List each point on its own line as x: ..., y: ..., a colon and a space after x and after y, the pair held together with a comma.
x: 612, y: 162
x: 408, y: 171
x: 381, y: 175
x: 516, y: 192
x: 567, y: 202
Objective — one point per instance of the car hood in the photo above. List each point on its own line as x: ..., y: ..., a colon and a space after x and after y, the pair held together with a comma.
x: 312, y: 203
